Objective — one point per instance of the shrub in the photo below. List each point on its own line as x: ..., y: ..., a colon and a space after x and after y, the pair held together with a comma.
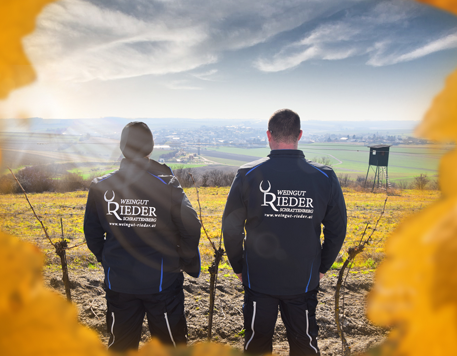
x: 434, y: 184
x: 35, y: 179
x: 322, y: 160
x: 217, y: 178
x: 71, y: 182
x: 421, y: 181
x: 344, y: 180
x: 204, y: 180
x: 7, y: 184
x: 402, y: 184
x: 184, y: 178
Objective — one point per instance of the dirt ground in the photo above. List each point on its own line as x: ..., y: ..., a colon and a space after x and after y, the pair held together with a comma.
x: 88, y: 294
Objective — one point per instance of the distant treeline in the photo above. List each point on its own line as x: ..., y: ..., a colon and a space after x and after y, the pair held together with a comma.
x: 420, y: 182
x: 52, y: 178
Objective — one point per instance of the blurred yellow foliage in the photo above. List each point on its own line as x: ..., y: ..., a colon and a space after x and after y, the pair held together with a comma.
x: 415, y: 289
x: 416, y: 286
x: 440, y: 122
x: 154, y: 347
x: 448, y: 5
x: 17, y: 19
x: 35, y: 320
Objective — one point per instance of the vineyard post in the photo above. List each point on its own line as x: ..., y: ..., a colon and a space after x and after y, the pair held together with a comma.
x: 213, y: 270
x: 61, y: 248
x: 352, y: 253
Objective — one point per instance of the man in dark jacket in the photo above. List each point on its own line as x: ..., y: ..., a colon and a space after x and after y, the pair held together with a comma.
x: 140, y: 225
x: 272, y: 227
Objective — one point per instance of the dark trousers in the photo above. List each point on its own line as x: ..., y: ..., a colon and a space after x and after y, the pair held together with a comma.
x: 298, y: 314
x: 165, y: 313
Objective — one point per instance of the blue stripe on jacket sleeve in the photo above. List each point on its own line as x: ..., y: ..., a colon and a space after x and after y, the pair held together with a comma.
x: 310, y: 274
x: 161, y: 276
x: 158, y: 178
x: 200, y: 262
x: 253, y: 168
x: 325, y: 174
x: 247, y: 270
x: 109, y: 283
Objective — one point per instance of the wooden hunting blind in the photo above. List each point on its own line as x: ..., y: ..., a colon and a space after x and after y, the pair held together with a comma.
x: 378, y: 162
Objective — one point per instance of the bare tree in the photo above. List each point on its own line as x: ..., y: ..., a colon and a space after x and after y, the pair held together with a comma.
x: 421, y: 181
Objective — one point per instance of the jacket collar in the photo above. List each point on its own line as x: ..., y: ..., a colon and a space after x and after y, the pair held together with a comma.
x: 286, y: 153
x: 144, y: 164
x: 135, y: 164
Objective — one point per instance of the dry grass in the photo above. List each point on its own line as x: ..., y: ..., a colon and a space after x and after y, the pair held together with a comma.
x: 362, y: 206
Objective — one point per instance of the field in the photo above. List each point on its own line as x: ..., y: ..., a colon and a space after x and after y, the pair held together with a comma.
x: 363, y: 207
x: 82, y: 153
x: 79, y: 153
x: 87, y: 276
x: 89, y: 171
x: 405, y: 162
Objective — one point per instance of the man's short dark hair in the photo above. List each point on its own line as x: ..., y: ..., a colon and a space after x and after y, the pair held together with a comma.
x: 284, y: 126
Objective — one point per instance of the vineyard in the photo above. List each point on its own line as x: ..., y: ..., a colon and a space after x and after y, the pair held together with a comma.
x: 362, y: 207
x: 86, y: 274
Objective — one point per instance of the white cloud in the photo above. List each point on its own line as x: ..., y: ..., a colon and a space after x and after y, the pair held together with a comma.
x: 82, y: 40
x: 208, y: 75
x: 443, y: 43
x: 181, y: 85
x: 383, y: 33
x: 286, y: 62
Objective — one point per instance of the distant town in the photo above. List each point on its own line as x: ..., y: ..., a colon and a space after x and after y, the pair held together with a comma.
x: 242, y: 136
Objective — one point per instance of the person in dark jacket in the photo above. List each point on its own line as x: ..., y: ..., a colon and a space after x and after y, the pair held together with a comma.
x: 141, y: 226
x: 272, y: 226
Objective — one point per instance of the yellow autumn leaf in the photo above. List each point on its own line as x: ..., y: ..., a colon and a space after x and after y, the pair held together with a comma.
x: 415, y: 289
x: 440, y: 122
x: 35, y: 320
x: 448, y: 5
x: 155, y: 348
x: 17, y: 19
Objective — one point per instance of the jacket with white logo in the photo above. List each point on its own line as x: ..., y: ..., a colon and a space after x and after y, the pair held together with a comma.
x: 140, y: 224
x: 272, y: 223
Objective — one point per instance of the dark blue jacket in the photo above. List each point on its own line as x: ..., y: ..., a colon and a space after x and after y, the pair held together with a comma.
x: 280, y: 202
x: 140, y: 224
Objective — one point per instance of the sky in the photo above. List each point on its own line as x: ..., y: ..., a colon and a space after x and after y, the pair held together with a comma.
x: 236, y: 59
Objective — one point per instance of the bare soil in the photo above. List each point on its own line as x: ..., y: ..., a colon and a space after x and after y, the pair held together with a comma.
x: 88, y: 295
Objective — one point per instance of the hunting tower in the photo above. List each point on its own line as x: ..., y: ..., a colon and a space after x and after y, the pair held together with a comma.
x: 378, y: 162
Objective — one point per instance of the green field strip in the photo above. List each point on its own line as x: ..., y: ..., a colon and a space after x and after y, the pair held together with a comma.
x: 184, y: 166
x: 227, y: 162
x: 354, y: 157
x: 259, y: 152
x: 157, y: 153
